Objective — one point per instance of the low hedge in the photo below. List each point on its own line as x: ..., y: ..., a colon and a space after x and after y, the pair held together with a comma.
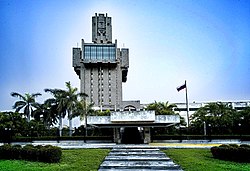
x: 48, y: 153
x: 232, y: 152
x: 200, y: 137
x: 55, y: 138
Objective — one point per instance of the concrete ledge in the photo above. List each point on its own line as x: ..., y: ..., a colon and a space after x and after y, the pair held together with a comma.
x: 166, y: 141
x: 133, y: 116
x: 218, y: 141
x: 167, y: 119
x: 232, y: 141
x: 195, y: 141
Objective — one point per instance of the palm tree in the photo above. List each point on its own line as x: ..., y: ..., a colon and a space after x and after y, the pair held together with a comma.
x: 66, y: 101
x: 83, y: 109
x: 71, y: 100
x: 58, y: 104
x: 162, y: 108
x: 26, y: 102
x: 46, y: 113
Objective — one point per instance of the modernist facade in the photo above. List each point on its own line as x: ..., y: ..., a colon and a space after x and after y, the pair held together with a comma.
x: 101, y: 66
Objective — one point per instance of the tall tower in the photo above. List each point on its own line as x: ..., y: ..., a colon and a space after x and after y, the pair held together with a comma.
x: 101, y: 66
x: 101, y: 29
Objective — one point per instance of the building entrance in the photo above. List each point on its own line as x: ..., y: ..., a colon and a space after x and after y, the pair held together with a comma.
x: 132, y: 135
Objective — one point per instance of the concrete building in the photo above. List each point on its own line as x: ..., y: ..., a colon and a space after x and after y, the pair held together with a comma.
x: 194, y: 106
x: 102, y: 68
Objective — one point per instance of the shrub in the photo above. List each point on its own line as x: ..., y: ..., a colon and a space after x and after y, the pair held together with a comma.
x: 15, y: 152
x: 234, y: 145
x: 29, y: 152
x: 10, y: 152
x: 245, y: 145
x: 17, y: 146
x: 232, y: 152
x: 49, y: 154
x: 5, y: 151
x: 224, y: 145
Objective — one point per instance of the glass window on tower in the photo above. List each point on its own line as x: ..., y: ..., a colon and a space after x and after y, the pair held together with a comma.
x: 112, y: 53
x: 87, y: 52
x: 99, y: 52
x: 93, y: 52
x: 105, y: 52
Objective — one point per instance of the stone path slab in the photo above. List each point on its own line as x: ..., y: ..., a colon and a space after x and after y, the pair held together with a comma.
x: 137, y: 158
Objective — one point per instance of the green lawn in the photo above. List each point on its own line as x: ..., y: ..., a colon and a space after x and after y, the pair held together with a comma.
x: 90, y: 159
x: 72, y: 160
x: 202, y: 159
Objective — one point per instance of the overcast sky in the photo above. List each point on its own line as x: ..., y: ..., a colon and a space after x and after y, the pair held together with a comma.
x: 206, y: 43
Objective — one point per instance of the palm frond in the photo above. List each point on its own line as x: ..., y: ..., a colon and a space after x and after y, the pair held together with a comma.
x: 34, y: 95
x: 83, y: 95
x: 15, y: 94
x: 50, y: 101
x: 18, y: 108
x: 19, y: 104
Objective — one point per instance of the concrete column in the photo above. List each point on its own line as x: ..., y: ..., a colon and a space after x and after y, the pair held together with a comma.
x: 117, y: 138
x: 114, y: 135
x: 147, y: 136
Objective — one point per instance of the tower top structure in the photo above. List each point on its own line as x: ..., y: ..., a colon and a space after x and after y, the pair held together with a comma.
x: 101, y: 66
x: 101, y: 29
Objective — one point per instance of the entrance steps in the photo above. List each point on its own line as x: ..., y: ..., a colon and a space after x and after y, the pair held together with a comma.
x: 138, y: 158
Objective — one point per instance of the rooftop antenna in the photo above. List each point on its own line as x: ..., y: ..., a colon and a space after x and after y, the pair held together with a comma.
x: 77, y: 45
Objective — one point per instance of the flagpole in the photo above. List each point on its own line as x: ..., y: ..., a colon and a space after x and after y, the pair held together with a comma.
x: 187, y: 105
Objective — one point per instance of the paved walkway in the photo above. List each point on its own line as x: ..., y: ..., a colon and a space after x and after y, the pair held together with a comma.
x: 81, y: 144
x: 137, y: 157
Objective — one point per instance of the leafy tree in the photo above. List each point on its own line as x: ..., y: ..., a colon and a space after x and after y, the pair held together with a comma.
x: 182, y: 121
x: 26, y: 102
x: 36, y: 129
x: 218, y: 118
x: 12, y: 121
x: 243, y: 121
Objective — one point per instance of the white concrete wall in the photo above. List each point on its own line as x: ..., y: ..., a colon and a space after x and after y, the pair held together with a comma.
x: 133, y: 116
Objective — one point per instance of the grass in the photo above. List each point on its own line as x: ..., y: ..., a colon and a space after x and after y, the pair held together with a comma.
x: 202, y: 159
x: 72, y: 160
x: 90, y: 159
